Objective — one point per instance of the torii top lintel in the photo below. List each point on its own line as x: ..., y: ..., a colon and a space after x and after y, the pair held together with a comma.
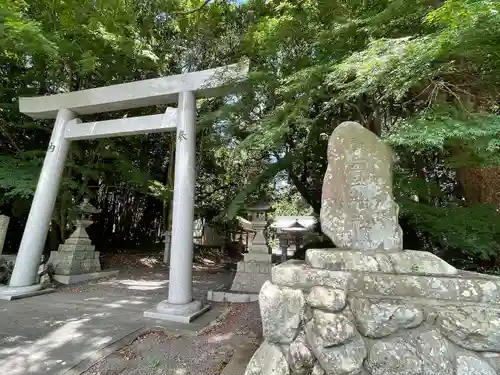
x: 207, y: 83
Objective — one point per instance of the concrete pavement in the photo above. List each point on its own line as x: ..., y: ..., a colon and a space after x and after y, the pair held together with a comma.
x: 53, y: 333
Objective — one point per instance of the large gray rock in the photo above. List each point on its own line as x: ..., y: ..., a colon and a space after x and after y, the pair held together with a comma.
x: 281, y: 310
x: 298, y: 275
x: 358, y: 211
x: 412, y: 261
x: 378, y: 317
x: 470, y: 364
x: 327, y: 298
x: 317, y: 370
x: 425, y: 353
x: 334, y: 329
x: 472, y: 327
x: 435, y: 353
x: 467, y: 289
x: 344, y: 260
x: 267, y: 360
x: 493, y: 359
x: 301, y: 359
x: 346, y: 359
x: 394, y: 357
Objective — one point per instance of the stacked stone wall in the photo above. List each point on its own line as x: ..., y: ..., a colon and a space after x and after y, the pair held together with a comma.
x: 320, y: 321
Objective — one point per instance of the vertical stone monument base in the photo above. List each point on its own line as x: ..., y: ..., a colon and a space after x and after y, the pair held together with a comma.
x: 251, y: 273
x: 378, y: 313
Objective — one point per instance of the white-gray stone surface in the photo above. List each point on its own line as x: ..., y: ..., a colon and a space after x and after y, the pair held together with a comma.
x: 394, y: 357
x: 334, y: 329
x: 358, y: 211
x: 295, y: 274
x: 412, y: 261
x: 399, y: 262
x: 301, y: 359
x: 337, y: 360
x: 317, y: 370
x: 281, y: 311
x: 471, y: 327
x: 379, y: 318
x: 268, y: 360
x: 437, y: 358
x: 326, y: 298
x: 471, y: 364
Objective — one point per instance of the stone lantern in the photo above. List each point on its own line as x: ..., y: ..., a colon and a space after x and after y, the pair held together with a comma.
x: 255, y: 268
x: 76, y: 260
x: 259, y: 214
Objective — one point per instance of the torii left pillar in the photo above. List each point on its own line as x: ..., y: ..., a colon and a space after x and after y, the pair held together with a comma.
x: 23, y: 279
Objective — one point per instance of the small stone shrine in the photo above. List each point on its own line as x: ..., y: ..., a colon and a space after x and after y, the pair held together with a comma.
x: 368, y: 307
x: 76, y: 260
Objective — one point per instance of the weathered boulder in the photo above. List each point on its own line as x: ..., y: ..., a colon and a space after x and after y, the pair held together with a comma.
x: 337, y: 360
x: 493, y: 359
x: 471, y: 327
x: 393, y: 357
x: 378, y: 317
x: 327, y: 298
x: 342, y: 260
x: 300, y: 358
x: 477, y: 289
x: 434, y: 350
x: 298, y: 275
x: 424, y: 353
x: 334, y: 329
x: 412, y: 261
x: 358, y: 211
x: 470, y: 364
x: 267, y: 360
x: 281, y: 310
x: 317, y: 370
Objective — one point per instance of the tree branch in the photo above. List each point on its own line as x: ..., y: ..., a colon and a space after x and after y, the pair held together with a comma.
x: 191, y: 11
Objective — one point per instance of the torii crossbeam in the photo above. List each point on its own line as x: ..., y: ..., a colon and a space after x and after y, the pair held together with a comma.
x: 182, y: 89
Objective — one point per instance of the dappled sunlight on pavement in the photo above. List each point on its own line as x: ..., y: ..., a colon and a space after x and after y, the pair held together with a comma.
x: 48, y: 334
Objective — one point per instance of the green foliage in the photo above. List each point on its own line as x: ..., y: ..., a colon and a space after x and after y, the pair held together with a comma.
x: 18, y: 177
x: 423, y: 74
x: 447, y: 128
x: 291, y: 204
x: 470, y: 231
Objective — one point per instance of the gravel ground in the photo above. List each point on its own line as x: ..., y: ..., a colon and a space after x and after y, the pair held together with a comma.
x: 164, y: 353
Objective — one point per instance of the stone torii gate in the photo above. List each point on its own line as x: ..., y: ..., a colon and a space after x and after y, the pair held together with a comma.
x: 182, y: 89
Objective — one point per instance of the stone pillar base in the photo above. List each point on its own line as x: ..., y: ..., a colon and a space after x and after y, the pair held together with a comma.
x: 75, y: 279
x: 185, y: 313
x: 375, y: 313
x: 252, y: 273
x: 9, y: 293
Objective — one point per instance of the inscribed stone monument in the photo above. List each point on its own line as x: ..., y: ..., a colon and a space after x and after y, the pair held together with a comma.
x: 358, y: 210
x: 371, y: 308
